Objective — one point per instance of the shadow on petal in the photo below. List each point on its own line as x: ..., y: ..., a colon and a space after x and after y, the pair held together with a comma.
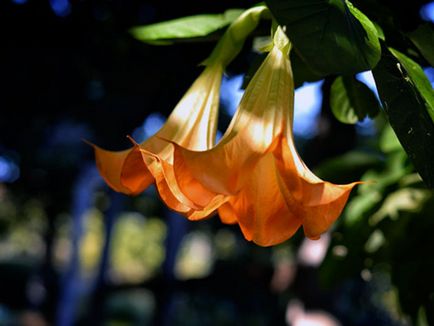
x: 124, y: 171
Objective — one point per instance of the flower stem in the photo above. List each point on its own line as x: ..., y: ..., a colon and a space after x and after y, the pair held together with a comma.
x: 233, y: 39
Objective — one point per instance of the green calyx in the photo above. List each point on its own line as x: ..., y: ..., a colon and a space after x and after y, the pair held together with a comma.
x: 232, y: 41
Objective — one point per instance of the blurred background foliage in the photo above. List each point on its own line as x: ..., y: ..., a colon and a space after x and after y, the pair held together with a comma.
x: 72, y: 252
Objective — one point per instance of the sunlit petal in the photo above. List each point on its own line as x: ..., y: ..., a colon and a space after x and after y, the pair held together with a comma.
x: 258, y: 121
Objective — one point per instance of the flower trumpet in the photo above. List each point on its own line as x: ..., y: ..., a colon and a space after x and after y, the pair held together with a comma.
x: 191, y: 125
x: 254, y: 174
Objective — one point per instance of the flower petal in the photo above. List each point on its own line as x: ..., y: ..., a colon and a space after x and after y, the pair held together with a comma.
x: 319, y: 203
x: 124, y: 171
x: 174, y: 198
x: 193, y: 122
x: 260, y: 209
x: 167, y: 184
x: 260, y: 117
x: 227, y: 214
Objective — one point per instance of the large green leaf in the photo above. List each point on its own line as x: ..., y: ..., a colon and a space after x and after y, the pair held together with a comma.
x: 388, y: 140
x: 423, y: 38
x: 302, y: 72
x: 419, y: 80
x: 407, y: 110
x: 331, y: 36
x: 185, y: 27
x: 351, y: 100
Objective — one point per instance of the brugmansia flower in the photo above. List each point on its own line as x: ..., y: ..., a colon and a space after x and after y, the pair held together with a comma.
x: 192, y: 124
x: 254, y: 174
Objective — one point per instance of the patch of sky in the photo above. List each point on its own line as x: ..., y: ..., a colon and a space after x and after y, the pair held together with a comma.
x: 367, y: 78
x: 307, y: 107
x: 429, y: 72
x: 150, y: 126
x: 218, y: 136
x: 427, y: 12
x: 308, y: 99
x: 231, y: 93
x: 367, y: 126
x: 9, y: 171
x: 61, y: 8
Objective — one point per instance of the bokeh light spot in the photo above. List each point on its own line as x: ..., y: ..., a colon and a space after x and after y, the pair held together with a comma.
x: 150, y: 127
x: 9, y: 171
x: 61, y: 8
x: 196, y: 257
x: 427, y: 12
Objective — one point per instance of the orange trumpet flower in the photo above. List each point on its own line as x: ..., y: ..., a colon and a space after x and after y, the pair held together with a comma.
x: 254, y: 175
x: 192, y: 124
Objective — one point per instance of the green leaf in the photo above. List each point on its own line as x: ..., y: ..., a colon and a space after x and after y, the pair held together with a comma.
x: 406, y: 199
x: 418, y: 78
x: 423, y: 38
x: 370, y: 194
x: 185, y: 27
x: 380, y: 31
x: 378, y: 181
x: 351, y: 100
x: 421, y: 317
x: 407, y: 109
x: 331, y: 36
x: 359, y: 206
x: 388, y: 140
x: 301, y: 71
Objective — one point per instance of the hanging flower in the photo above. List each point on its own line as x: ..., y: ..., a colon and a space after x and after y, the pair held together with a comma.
x: 254, y: 174
x: 192, y: 124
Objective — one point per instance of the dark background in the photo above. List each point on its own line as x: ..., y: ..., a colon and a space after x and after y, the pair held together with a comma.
x: 73, y: 72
